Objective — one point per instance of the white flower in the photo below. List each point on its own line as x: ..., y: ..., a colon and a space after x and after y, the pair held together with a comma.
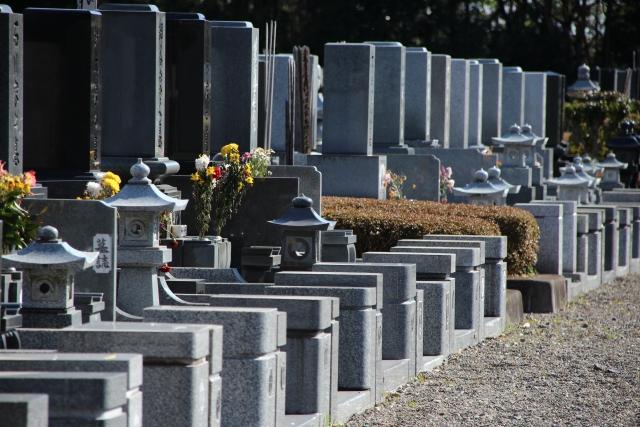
x: 94, y: 189
x: 99, y: 176
x: 202, y: 163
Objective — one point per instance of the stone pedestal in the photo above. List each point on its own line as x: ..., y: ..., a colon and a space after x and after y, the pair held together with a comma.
x: 549, y: 219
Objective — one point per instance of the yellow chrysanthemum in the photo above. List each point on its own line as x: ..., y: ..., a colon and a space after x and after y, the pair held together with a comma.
x: 111, y: 183
x: 249, y: 180
x: 229, y: 149
x: 211, y: 170
x: 234, y: 158
x: 247, y: 169
x: 239, y: 186
x: 113, y: 176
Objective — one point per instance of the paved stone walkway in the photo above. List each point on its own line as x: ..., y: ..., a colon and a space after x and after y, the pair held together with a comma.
x: 579, y: 367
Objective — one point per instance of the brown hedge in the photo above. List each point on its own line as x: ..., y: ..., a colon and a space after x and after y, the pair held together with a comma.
x: 379, y: 224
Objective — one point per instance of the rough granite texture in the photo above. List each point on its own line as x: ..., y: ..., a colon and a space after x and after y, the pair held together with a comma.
x: 429, y: 243
x: 465, y: 257
x: 425, y: 263
x: 495, y: 246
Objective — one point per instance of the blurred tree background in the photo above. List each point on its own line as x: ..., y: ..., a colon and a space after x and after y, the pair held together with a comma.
x: 538, y: 35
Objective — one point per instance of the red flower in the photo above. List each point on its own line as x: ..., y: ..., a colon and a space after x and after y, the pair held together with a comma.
x: 165, y: 269
x: 217, y: 174
x: 174, y: 243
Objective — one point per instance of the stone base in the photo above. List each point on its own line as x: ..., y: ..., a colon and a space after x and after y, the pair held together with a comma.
x: 608, y: 276
x: 352, y: 402
x: 430, y: 362
x: 310, y: 420
x: 515, y: 315
x: 593, y: 282
x: 493, y: 327
x: 351, y: 176
x: 40, y: 319
x: 545, y: 293
x: 394, y: 374
x: 426, y: 144
x: 465, y: 338
x: 634, y: 266
x: 622, y: 271
x: 575, y: 285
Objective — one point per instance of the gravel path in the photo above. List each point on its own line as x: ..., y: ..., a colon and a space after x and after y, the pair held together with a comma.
x: 580, y: 367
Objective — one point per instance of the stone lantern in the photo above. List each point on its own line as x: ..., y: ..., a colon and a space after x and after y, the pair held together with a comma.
x: 583, y: 84
x: 48, y: 267
x: 571, y: 187
x: 518, y: 148
x: 579, y: 167
x: 626, y: 147
x: 611, y: 174
x: 481, y: 192
x: 139, y: 204
x: 498, y: 182
x: 300, y: 239
x: 590, y: 167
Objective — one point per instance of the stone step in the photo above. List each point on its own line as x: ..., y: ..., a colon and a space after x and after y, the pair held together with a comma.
x: 307, y: 420
x: 515, y: 314
x: 394, y: 374
x: 544, y: 293
x: 430, y: 362
x: 493, y: 326
x: 352, y: 402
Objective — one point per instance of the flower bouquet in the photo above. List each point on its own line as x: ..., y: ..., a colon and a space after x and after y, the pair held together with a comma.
x: 106, y: 184
x: 205, y: 179
x: 18, y: 226
x: 446, y: 183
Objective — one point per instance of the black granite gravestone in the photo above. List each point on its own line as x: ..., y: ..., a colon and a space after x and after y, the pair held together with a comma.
x: 555, y: 108
x: 133, y: 81
x: 234, y: 85
x: 188, y: 84
x: 62, y: 95
x: 11, y: 48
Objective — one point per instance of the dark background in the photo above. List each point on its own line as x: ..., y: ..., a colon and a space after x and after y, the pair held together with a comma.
x: 538, y: 35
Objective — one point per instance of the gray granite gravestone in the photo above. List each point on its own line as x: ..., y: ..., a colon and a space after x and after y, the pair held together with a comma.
x: 549, y: 219
x: 459, y: 113
x: 281, y: 91
x: 582, y: 248
x: 609, y: 239
x: 62, y: 92
x: 513, y: 84
x: 348, y: 109
x: 625, y: 219
x: 595, y: 246
x: 440, y: 98
x: 535, y: 101
x: 25, y: 409
x: 234, y: 79
x: 251, y: 366
x: 87, y: 225
x: 133, y: 88
x: 11, y: 89
x: 438, y: 316
x: 389, y: 98
x: 491, y: 99
x: 180, y: 387
x: 475, y: 103
x: 351, y: 176
x: 417, y: 95
x: 309, y: 181
x: 188, y: 88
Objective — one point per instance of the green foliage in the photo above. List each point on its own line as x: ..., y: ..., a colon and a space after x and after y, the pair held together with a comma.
x: 379, y: 224
x: 594, y: 119
x: 18, y: 227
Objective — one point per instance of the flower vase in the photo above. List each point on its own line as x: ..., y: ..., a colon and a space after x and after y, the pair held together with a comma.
x: 224, y: 250
x: 198, y: 252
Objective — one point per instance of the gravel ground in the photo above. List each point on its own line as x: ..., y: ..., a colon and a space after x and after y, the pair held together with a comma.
x: 579, y: 367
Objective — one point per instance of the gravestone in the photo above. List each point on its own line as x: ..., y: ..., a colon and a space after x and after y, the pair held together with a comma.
x: 422, y: 170
x: 133, y: 88
x: 440, y: 98
x: 11, y: 89
x: 281, y: 92
x: 62, y: 92
x: 389, y: 98
x: 351, y: 176
x: 475, y: 103
x: 188, y: 88
x: 86, y: 225
x: 234, y: 89
x: 459, y: 113
x: 491, y: 99
x: 549, y: 219
x: 348, y: 109
x: 417, y: 95
x: 535, y: 102
x: 309, y: 181
x: 316, y: 83
x: 513, y: 84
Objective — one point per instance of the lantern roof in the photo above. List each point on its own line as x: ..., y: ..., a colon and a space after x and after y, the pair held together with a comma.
x: 302, y: 216
x: 569, y: 178
x: 514, y: 137
x: 610, y: 162
x: 480, y: 187
x: 498, y: 182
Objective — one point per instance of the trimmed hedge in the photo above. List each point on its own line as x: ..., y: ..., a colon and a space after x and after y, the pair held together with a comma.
x: 379, y: 224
